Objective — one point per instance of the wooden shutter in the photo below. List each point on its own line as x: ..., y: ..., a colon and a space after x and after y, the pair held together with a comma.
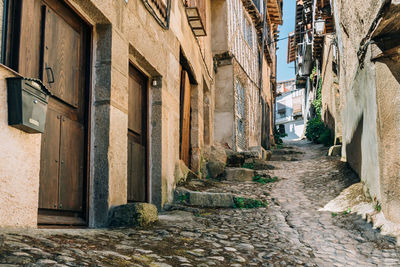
x: 185, y: 118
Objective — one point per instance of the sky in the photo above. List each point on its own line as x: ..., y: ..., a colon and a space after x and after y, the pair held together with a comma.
x: 286, y: 71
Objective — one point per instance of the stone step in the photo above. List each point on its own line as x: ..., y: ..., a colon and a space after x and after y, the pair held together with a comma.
x: 237, y: 159
x: 239, y: 174
x: 184, y: 196
x: 286, y: 152
x: 200, y: 199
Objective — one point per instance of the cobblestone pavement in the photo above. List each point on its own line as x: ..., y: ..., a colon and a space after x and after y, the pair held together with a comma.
x: 289, y: 232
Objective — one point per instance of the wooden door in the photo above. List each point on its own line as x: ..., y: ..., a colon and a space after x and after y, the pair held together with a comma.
x: 63, y: 164
x: 185, y: 118
x: 265, y: 125
x: 137, y: 136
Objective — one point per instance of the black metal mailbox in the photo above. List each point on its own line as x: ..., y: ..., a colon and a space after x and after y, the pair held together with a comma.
x: 27, y: 104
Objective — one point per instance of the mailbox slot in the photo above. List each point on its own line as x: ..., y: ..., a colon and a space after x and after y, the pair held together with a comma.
x: 27, y: 104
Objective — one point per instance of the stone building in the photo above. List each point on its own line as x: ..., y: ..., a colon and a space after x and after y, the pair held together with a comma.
x: 290, y: 111
x: 357, y: 56
x: 132, y: 94
x: 122, y: 74
x: 244, y: 102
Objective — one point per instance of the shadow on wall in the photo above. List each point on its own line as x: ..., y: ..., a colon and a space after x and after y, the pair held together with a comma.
x: 330, y: 122
x: 394, y: 67
x: 353, y: 149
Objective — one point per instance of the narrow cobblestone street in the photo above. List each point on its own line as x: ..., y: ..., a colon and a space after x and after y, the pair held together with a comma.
x: 289, y: 232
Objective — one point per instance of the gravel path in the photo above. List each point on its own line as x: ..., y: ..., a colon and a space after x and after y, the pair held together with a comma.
x: 289, y: 232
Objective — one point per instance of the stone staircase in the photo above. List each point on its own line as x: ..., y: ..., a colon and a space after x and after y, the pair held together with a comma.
x: 222, y: 165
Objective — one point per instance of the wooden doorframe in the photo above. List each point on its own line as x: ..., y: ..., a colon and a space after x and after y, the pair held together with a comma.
x: 86, y: 83
x: 139, y: 70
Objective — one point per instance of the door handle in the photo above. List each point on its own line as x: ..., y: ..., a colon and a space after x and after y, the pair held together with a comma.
x: 52, y: 74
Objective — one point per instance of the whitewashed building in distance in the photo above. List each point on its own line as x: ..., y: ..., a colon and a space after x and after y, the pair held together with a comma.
x: 290, y: 110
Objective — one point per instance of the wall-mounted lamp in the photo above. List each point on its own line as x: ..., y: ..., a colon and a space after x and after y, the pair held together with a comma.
x: 156, y: 82
x: 319, y: 26
x: 195, y: 21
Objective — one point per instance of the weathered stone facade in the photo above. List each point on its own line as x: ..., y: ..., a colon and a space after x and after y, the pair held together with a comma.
x: 360, y: 100
x: 237, y: 52
x: 124, y: 34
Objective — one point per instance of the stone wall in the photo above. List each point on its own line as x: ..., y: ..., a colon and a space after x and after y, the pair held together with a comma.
x: 369, y: 99
x: 357, y: 91
x: 330, y: 92
x: 229, y: 37
x: 19, y: 168
x: 123, y: 33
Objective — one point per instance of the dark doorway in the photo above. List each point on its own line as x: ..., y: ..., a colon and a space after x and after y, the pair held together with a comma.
x: 282, y: 129
x: 185, y: 119
x: 137, y: 137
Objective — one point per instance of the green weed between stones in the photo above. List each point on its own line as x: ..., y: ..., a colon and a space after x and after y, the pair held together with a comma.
x: 247, y: 203
x: 248, y: 165
x: 263, y: 180
x: 183, y: 198
x: 378, y: 207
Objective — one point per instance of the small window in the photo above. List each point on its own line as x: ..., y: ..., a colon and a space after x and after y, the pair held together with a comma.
x: 21, y: 38
x: 247, y: 31
x: 11, y: 37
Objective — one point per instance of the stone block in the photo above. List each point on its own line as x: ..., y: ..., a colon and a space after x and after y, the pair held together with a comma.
x: 335, y: 151
x: 251, y: 154
x: 239, y: 174
x: 184, y: 196
x: 267, y: 155
x: 216, y: 157
x: 218, y: 154
x: 260, y: 164
x: 140, y: 214
x: 215, y: 168
x: 210, y: 200
x: 234, y: 159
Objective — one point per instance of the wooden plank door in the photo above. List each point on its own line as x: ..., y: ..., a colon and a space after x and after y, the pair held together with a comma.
x: 63, y: 164
x: 185, y: 118
x: 137, y: 136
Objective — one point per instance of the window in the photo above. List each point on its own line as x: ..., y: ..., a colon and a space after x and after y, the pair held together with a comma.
x: 247, y: 31
x: 22, y: 22
x: 10, y: 38
x: 240, y: 115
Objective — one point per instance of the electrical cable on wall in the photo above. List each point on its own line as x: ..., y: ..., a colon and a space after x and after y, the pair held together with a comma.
x: 164, y: 25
